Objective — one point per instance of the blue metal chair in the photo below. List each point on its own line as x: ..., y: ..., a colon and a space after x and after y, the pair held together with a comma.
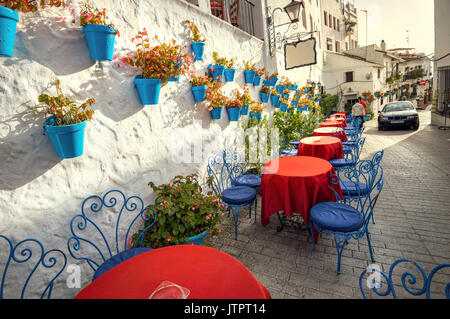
x: 342, y: 220
x: 375, y: 280
x: 53, y: 260
x: 351, y: 159
x: 222, y: 170
x: 103, y: 250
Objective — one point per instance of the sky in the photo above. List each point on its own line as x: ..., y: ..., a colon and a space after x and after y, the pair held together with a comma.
x: 389, y: 20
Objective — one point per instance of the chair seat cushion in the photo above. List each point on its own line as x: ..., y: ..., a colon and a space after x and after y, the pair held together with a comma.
x: 289, y: 152
x: 253, y: 181
x: 350, y: 188
x: 118, y: 259
x: 349, y: 143
x: 347, y: 149
x: 239, y: 195
x: 341, y: 162
x: 295, y: 143
x: 336, y: 217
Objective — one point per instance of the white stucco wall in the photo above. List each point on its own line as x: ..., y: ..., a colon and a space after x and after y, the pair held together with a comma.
x: 127, y: 145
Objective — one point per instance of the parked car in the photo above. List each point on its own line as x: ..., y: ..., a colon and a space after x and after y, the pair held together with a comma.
x: 398, y: 114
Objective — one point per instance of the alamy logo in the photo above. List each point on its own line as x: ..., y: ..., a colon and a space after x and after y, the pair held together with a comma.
x: 374, y: 279
x: 74, y: 278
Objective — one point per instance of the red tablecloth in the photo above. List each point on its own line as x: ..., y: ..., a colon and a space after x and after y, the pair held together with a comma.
x: 339, y: 120
x: 331, y: 123
x: 338, y: 116
x: 207, y: 272
x: 294, y: 185
x: 325, y: 147
x: 328, y: 131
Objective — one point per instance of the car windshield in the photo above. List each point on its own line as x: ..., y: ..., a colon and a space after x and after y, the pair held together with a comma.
x: 396, y: 107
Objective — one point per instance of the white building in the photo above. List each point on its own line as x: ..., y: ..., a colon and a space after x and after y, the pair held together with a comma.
x: 441, y: 85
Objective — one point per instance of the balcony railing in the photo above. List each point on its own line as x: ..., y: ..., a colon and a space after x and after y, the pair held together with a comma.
x: 239, y: 13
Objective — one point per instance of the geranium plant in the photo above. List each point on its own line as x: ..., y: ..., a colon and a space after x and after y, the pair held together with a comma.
x: 249, y: 66
x: 274, y: 92
x: 214, y: 95
x: 244, y: 97
x: 195, y: 33
x: 265, y: 89
x: 91, y: 15
x: 233, y: 103
x: 64, y: 111
x: 260, y: 72
x: 219, y: 60
x: 30, y: 5
x: 257, y: 107
x: 199, y: 80
x: 162, y: 62
x: 183, y: 211
x: 230, y: 63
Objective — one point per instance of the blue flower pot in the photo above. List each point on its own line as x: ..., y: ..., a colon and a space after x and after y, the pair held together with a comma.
x: 8, y: 23
x: 249, y: 76
x: 274, y: 81
x: 229, y: 74
x: 275, y: 100
x: 244, y: 110
x: 234, y: 113
x: 293, y: 87
x: 280, y: 88
x: 256, y: 115
x: 198, y: 48
x: 148, y: 89
x: 301, y: 109
x: 199, y: 93
x: 294, y: 103
x: 100, y: 40
x: 216, y: 113
x: 218, y: 72
x: 264, y: 97
x: 257, y: 80
x: 283, y: 107
x: 196, y: 240
x: 267, y: 83
x: 68, y: 140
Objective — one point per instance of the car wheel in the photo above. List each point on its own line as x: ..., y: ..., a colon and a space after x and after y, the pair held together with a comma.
x: 380, y: 128
x: 416, y: 127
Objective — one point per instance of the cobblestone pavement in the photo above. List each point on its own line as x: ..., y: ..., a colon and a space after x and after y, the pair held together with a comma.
x: 412, y: 219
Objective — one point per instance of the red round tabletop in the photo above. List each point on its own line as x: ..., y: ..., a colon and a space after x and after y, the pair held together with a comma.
x: 325, y: 147
x: 337, y: 116
x: 333, y: 123
x: 328, y: 131
x: 295, y: 184
x: 207, y: 272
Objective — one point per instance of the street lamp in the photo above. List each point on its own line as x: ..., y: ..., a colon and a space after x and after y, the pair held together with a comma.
x: 293, y: 10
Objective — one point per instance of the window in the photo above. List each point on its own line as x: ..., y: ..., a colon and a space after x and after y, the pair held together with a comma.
x: 311, y: 26
x: 329, y: 44
x: 346, y: 46
x: 338, y: 46
x: 304, y: 18
x: 379, y: 73
x: 326, y: 18
x: 338, y: 25
x: 356, y: 44
x: 330, y: 20
x: 349, y: 76
x: 334, y: 23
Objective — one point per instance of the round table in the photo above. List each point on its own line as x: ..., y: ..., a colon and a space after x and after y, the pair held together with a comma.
x: 328, y: 131
x: 331, y: 123
x: 207, y: 272
x: 337, y: 116
x: 325, y: 147
x: 294, y: 185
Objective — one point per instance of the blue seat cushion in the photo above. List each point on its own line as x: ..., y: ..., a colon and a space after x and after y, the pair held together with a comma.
x: 349, y: 188
x: 239, y: 195
x: 336, y: 217
x: 118, y: 259
x: 253, y: 181
x: 289, y: 152
x: 295, y: 143
x: 347, y: 149
x: 349, y: 143
x: 341, y: 162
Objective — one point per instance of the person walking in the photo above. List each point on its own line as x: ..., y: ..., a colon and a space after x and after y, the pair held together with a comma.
x: 363, y: 104
x: 358, y: 111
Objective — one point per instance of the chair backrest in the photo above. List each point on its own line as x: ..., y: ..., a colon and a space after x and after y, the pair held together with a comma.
x: 53, y: 260
x: 87, y: 233
x: 223, y: 168
x: 374, y: 281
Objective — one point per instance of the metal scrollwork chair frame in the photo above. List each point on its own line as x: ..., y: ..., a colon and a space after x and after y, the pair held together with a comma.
x: 80, y: 222
x: 22, y: 253
x: 407, y: 278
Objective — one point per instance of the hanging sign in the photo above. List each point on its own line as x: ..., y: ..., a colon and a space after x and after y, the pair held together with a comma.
x: 300, y: 53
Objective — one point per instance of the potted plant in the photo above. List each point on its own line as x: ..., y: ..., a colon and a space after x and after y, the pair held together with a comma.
x: 264, y: 94
x: 284, y: 103
x: 256, y: 110
x: 67, y: 122
x: 275, y: 98
x: 249, y: 72
x: 218, y: 68
x: 233, y: 109
x: 197, y: 42
x: 100, y: 36
x: 184, y: 214
x: 257, y: 79
x: 199, y: 85
x: 9, y: 18
x: 230, y: 71
x: 274, y: 78
x: 267, y: 80
x: 216, y: 100
x: 157, y: 65
x: 245, y: 99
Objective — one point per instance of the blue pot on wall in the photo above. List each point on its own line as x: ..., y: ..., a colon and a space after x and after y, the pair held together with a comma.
x: 234, y: 113
x: 198, y: 48
x: 199, y: 93
x: 229, y: 74
x: 148, y: 89
x: 280, y: 88
x: 257, y: 80
x: 249, y: 76
x: 283, y: 107
x: 267, y: 83
x: 274, y: 81
x: 255, y: 115
x: 68, y: 140
x: 216, y: 113
x: 244, y: 110
x: 301, y: 109
x: 293, y: 87
x: 275, y: 100
x: 218, y: 71
x: 197, y: 240
x: 8, y: 23
x: 294, y: 103
x: 264, y: 97
x: 100, y: 40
